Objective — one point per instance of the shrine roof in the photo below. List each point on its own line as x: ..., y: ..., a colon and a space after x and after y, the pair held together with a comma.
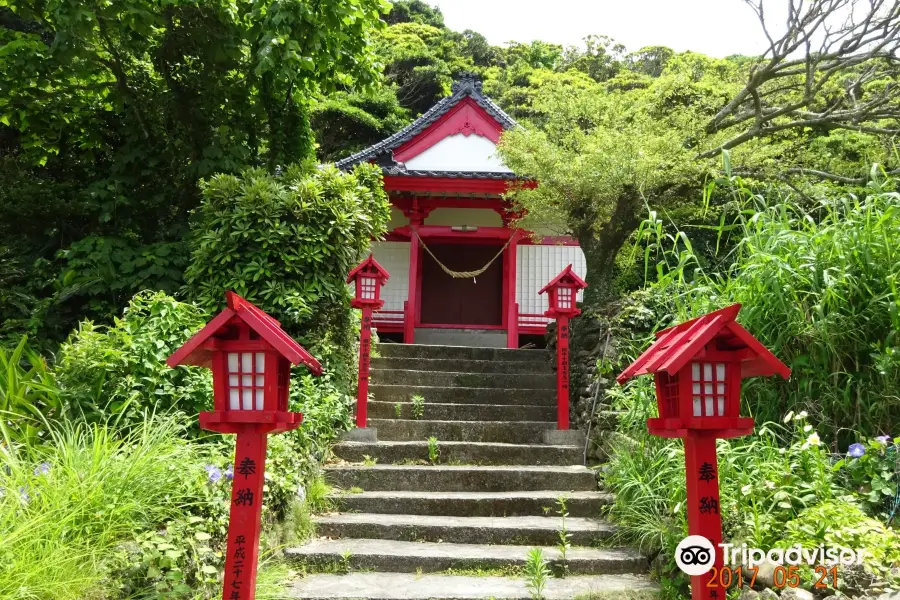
x: 382, y: 152
x: 401, y: 171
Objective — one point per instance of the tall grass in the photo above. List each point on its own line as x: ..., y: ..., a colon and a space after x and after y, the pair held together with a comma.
x: 67, y: 504
x: 820, y: 286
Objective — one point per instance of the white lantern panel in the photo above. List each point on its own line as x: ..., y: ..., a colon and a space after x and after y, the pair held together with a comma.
x: 232, y: 362
x: 697, y: 410
x: 260, y: 362
x: 247, y: 381
x: 260, y: 403
x: 260, y: 381
x: 720, y: 372
x: 234, y: 399
x: 695, y: 372
x: 247, y: 362
x: 247, y: 399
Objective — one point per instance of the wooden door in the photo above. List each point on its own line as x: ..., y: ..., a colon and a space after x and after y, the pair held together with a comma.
x: 449, y: 301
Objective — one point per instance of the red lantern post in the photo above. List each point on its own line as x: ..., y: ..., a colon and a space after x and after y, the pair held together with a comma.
x: 562, y: 292
x: 368, y: 276
x: 698, y: 367
x: 250, y: 357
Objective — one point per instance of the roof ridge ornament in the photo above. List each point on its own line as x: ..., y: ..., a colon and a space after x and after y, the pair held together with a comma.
x: 467, y: 81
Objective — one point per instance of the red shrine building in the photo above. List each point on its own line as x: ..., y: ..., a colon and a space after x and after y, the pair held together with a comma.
x: 446, y: 183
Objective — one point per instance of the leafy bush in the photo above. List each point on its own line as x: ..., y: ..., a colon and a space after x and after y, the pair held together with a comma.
x: 872, y: 472
x: 29, y: 397
x: 287, y: 244
x: 838, y: 523
x: 119, y: 371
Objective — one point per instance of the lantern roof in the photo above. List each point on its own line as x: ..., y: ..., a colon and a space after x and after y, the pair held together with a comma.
x: 195, y: 352
x: 678, y: 345
x: 567, y: 275
x: 368, y: 262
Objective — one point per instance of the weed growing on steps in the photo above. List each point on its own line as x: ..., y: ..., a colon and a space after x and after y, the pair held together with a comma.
x: 564, y: 536
x: 434, y: 453
x: 346, y: 556
x: 536, y: 573
x: 418, y: 406
x: 398, y: 409
x: 368, y: 461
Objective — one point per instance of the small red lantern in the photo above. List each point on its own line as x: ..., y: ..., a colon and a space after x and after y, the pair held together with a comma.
x: 250, y: 357
x: 562, y: 293
x: 698, y: 367
x: 369, y: 277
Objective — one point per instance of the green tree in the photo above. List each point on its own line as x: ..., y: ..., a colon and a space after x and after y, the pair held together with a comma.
x: 110, y: 113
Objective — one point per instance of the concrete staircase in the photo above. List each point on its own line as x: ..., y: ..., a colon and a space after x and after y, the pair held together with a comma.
x: 461, y: 529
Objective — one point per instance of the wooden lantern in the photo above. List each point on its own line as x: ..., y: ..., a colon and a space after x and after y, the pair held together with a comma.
x: 698, y: 367
x: 369, y: 277
x: 562, y: 292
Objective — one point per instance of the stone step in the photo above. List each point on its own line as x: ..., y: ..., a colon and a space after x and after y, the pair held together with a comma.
x: 531, y: 530
x: 473, y: 504
x: 509, y: 432
x: 475, y: 453
x: 407, y: 557
x: 463, y: 395
x: 460, y: 352
x: 411, y: 586
x: 459, y: 365
x: 543, y: 381
x: 440, y: 478
x: 464, y: 412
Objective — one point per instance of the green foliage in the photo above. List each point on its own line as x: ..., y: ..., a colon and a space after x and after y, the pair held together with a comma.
x: 345, y: 122
x: 29, y: 397
x: 836, y: 523
x: 819, y: 286
x: 118, y: 372
x: 68, y: 503
x: 536, y: 573
x: 117, y: 110
x: 874, y: 476
x: 418, y: 406
x: 565, y: 538
x: 434, y: 452
x: 286, y: 243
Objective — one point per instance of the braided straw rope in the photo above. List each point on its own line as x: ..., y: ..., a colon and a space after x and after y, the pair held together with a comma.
x: 463, y: 274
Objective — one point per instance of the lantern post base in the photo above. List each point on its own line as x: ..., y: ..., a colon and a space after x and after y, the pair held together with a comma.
x: 563, y: 437
x: 361, y: 434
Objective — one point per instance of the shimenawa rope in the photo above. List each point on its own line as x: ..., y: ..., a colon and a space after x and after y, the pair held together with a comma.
x: 463, y: 274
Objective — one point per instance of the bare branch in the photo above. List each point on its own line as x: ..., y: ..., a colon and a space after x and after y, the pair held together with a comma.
x: 837, y: 42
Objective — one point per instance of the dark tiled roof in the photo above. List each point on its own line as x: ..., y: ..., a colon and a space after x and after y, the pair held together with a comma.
x: 466, y: 87
x: 400, y: 171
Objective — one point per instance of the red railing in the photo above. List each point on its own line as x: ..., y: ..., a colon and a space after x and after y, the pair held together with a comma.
x: 388, y: 320
x: 533, y: 323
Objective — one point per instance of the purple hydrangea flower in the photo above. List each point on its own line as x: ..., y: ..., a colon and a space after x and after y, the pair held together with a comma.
x: 215, y: 474
x: 884, y: 439
x: 23, y: 494
x: 42, y: 469
x: 856, y: 450
x: 229, y: 473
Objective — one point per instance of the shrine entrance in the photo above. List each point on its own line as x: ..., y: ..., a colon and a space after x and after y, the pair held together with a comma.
x: 468, y: 301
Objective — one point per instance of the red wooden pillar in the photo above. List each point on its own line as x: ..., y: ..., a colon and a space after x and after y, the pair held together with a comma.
x: 562, y: 372
x: 244, y: 523
x: 702, y: 471
x: 512, y: 309
x: 409, y: 319
x: 362, y: 387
